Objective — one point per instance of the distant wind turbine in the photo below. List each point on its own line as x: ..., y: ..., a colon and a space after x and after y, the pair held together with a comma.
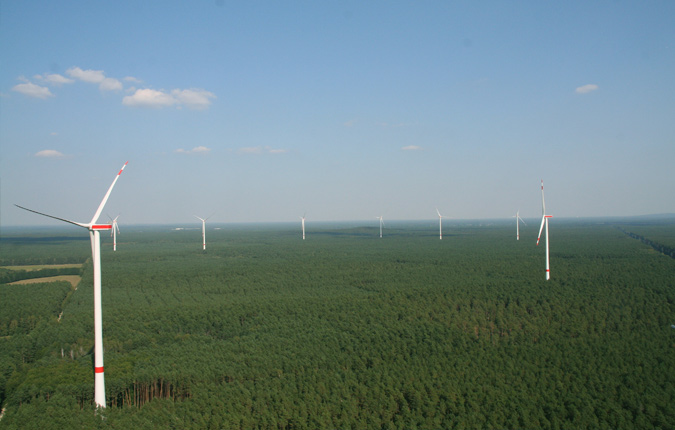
x: 440, y: 224
x: 114, y: 231
x: 303, y: 226
x: 381, y: 223
x: 203, y: 230
x: 95, y: 237
x: 517, y: 217
x: 544, y: 220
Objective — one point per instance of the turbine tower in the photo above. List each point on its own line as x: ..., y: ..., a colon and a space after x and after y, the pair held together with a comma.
x: 544, y: 220
x: 203, y: 231
x: 440, y: 224
x: 381, y: 223
x: 303, y: 226
x: 517, y: 217
x: 95, y: 237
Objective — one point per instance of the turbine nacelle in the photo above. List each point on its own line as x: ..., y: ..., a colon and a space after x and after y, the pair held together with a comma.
x: 100, y: 227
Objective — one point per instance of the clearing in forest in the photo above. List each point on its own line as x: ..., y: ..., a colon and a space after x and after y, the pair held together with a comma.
x: 32, y: 267
x: 73, y: 279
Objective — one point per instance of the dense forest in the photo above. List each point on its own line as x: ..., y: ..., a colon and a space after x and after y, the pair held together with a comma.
x: 346, y: 330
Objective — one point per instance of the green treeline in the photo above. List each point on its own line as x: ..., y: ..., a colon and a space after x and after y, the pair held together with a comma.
x: 346, y: 330
x: 663, y: 249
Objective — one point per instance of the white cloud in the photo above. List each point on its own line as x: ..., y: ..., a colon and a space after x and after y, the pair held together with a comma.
x: 149, y: 98
x: 95, y: 77
x: 49, y: 153
x: 110, y: 84
x: 195, y: 150
x: 91, y: 76
x: 193, y: 98
x: 54, y: 79
x: 32, y: 90
x: 411, y: 148
x: 584, y: 89
x: 277, y: 151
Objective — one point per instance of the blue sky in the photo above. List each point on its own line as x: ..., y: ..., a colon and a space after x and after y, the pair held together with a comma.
x: 264, y: 111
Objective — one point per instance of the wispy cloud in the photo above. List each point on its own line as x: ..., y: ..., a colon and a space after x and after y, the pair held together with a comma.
x: 49, y: 153
x: 32, y: 90
x: 54, y: 79
x: 95, y: 77
x: 149, y: 98
x: 91, y: 76
x: 400, y: 124
x: 193, y: 98
x: 110, y: 84
x: 195, y: 150
x: 584, y: 89
x: 261, y: 150
x: 251, y: 150
x: 411, y: 148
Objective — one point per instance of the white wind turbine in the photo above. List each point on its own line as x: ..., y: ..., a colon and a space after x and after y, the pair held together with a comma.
x: 114, y: 231
x: 303, y: 226
x: 95, y: 237
x: 381, y: 223
x: 203, y: 230
x: 517, y: 217
x: 440, y: 224
x: 544, y: 220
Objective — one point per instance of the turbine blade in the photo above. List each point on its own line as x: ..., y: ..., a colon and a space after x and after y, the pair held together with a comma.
x: 522, y: 220
x: 94, y: 220
x: 79, y: 224
x: 543, y: 219
x: 202, y: 219
x: 543, y: 205
x: 439, y: 214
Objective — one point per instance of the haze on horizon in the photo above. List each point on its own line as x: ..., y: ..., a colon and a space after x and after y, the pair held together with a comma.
x: 341, y: 111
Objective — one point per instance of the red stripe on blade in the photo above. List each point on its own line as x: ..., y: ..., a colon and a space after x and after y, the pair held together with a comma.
x: 98, y: 369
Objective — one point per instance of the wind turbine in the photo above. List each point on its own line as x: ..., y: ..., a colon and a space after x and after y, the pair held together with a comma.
x: 114, y: 231
x: 517, y: 217
x: 95, y: 237
x: 303, y: 226
x: 440, y: 224
x: 544, y: 220
x: 381, y: 223
x: 203, y: 230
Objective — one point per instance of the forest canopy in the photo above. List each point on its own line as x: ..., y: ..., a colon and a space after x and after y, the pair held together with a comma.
x: 346, y: 329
